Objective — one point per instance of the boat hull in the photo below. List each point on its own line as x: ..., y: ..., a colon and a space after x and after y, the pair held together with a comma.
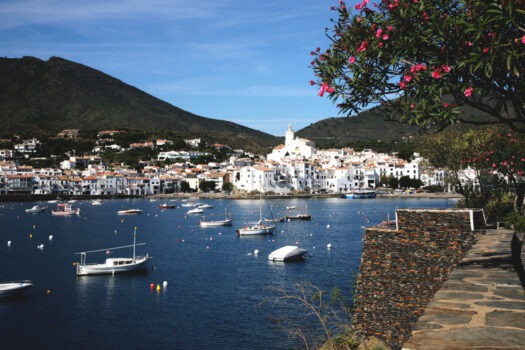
x: 129, y: 212
x: 255, y: 230
x: 113, y: 266
x: 299, y: 217
x: 36, y: 210
x: 216, y: 223
x: 287, y: 253
x: 9, y: 289
x: 361, y: 194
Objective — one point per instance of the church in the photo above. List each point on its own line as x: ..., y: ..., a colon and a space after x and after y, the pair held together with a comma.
x: 293, y: 148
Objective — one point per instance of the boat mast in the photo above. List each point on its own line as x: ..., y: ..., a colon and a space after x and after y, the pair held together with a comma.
x: 134, y: 241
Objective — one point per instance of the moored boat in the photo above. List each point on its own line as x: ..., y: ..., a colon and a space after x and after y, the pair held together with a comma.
x: 227, y: 221
x: 65, y: 209
x: 129, y: 212
x: 195, y: 211
x: 113, y: 265
x: 299, y: 217
x: 287, y: 253
x: 12, y: 288
x: 257, y: 228
x: 167, y: 206
x: 36, y: 209
x: 361, y: 193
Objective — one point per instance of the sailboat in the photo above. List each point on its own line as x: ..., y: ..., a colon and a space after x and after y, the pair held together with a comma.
x: 113, y: 265
x: 227, y: 221
x: 257, y: 228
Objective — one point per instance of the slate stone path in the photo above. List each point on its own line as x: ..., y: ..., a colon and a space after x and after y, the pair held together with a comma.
x: 480, y: 306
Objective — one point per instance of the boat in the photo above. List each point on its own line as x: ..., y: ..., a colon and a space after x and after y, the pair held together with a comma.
x: 292, y: 207
x: 167, y: 206
x: 195, y: 211
x: 205, y: 206
x: 129, y: 212
x: 300, y: 216
x: 113, y: 265
x: 279, y: 219
x: 361, y: 193
x: 96, y: 202
x: 227, y: 221
x: 36, y: 209
x: 257, y: 228
x: 287, y: 253
x: 65, y: 209
x: 12, y: 288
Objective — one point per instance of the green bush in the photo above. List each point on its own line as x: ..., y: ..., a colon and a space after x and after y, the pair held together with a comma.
x: 515, y: 221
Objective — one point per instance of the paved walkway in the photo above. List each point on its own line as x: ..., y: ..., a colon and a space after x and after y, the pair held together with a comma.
x: 480, y: 306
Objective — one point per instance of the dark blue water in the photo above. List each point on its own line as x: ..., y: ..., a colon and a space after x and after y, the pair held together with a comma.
x: 216, y: 285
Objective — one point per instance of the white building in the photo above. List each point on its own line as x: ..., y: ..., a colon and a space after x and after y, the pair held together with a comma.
x: 294, y: 148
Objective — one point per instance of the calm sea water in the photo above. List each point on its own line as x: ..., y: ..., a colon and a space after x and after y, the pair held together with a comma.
x: 216, y: 284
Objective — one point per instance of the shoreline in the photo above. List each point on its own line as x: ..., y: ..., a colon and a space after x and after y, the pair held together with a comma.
x: 47, y: 197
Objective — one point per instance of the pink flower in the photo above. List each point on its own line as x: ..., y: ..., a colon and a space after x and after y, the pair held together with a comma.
x: 494, y: 165
x: 468, y: 92
x: 407, y: 78
x: 325, y: 88
x: 436, y: 73
x: 385, y: 36
x: 390, y: 28
x: 445, y: 69
x: 363, y: 46
x: 351, y: 60
x: 402, y: 85
x: 523, y: 39
x: 412, y: 106
x: 485, y: 50
x: 418, y: 67
x: 379, y: 32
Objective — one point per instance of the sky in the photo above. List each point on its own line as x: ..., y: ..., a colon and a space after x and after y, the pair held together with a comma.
x: 243, y: 61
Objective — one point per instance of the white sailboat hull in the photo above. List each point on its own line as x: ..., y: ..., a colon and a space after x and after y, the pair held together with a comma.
x: 113, y: 266
x: 257, y: 229
x: 227, y: 222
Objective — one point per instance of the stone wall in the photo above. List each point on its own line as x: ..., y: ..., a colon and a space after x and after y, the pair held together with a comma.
x: 401, y: 269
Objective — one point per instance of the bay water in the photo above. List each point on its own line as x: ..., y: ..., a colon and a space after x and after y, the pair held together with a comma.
x: 217, y: 284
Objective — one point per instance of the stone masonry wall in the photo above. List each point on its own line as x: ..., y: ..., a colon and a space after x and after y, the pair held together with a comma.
x: 402, y: 269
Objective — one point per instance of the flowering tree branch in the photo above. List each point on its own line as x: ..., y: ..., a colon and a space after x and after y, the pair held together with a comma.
x: 427, y: 59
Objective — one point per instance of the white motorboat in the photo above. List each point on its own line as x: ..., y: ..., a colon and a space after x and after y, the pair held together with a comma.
x: 36, y: 209
x: 65, y: 209
x: 113, y: 265
x: 195, y: 211
x: 257, y: 228
x: 96, y: 202
x: 9, y: 289
x: 287, y: 253
x: 129, y: 212
x: 205, y: 206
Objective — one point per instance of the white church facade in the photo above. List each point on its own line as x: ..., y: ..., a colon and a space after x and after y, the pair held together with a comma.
x: 293, y: 148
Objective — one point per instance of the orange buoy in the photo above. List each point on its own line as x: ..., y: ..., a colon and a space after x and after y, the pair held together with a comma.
x: 152, y: 285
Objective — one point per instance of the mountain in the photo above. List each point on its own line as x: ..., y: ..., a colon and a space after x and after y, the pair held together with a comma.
x: 48, y: 96
x: 370, y: 125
